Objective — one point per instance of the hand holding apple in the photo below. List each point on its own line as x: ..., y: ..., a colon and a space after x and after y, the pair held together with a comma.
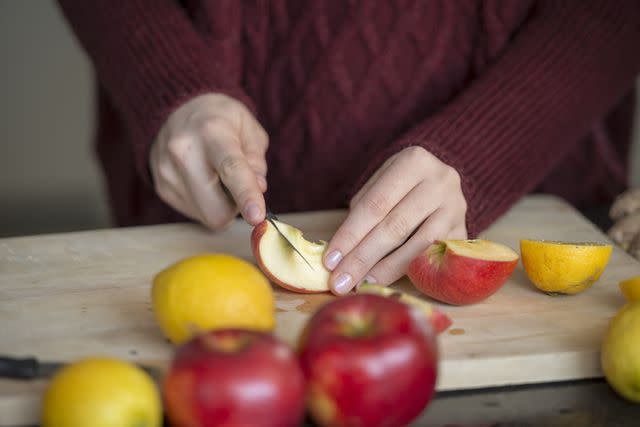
x: 462, y: 271
x: 369, y: 361
x: 234, y: 378
x: 412, y: 199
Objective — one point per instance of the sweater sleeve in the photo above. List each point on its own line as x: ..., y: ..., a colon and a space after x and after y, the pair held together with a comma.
x: 563, y: 70
x: 149, y: 59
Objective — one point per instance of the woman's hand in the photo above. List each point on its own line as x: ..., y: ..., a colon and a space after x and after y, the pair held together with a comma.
x: 212, y: 140
x: 412, y: 200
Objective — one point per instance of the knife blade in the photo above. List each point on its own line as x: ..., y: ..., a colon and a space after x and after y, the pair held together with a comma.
x: 272, y: 219
x: 30, y: 368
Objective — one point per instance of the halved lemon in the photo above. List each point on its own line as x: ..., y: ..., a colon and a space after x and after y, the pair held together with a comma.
x: 564, y: 267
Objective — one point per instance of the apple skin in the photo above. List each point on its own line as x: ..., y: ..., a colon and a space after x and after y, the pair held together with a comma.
x: 234, y: 377
x: 456, y: 279
x: 440, y: 322
x: 256, y: 238
x: 369, y: 361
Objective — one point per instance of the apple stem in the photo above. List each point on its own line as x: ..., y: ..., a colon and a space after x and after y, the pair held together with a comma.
x: 436, y: 252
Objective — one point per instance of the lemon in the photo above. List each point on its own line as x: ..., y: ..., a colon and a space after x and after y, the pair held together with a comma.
x: 101, y: 392
x: 631, y: 288
x: 620, y: 356
x: 211, y: 291
x: 564, y: 267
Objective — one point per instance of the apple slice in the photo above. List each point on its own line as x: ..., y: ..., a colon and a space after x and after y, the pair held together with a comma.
x: 462, y: 272
x: 282, y: 265
x: 440, y: 322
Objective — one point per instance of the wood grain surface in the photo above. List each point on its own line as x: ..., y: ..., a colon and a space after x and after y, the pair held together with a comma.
x: 66, y: 296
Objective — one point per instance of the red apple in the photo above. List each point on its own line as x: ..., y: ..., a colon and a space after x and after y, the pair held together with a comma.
x: 440, y: 322
x: 234, y: 378
x: 369, y: 361
x: 462, y: 271
x: 282, y: 265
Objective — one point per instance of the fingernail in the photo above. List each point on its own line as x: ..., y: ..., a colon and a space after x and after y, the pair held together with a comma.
x: 332, y: 259
x: 252, y: 212
x: 342, y: 284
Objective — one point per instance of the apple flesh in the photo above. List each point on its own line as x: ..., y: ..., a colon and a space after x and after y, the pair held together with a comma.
x: 460, y: 272
x: 369, y: 360
x: 440, y: 322
x: 283, y: 265
x: 234, y: 378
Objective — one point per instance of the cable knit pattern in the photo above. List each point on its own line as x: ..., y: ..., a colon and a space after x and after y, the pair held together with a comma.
x: 504, y: 91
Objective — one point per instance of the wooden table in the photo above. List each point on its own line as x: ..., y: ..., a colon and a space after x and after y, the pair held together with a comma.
x: 70, y: 295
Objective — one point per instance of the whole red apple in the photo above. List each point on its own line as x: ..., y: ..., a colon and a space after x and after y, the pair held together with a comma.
x: 234, y: 378
x: 462, y: 272
x: 369, y: 361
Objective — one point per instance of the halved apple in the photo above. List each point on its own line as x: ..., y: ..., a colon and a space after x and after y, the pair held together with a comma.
x: 440, y: 322
x: 462, y: 271
x: 283, y: 265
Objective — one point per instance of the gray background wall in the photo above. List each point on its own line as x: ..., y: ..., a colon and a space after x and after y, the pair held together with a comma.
x: 49, y: 179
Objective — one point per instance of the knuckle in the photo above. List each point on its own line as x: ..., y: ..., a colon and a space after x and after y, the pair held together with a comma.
x: 384, y: 273
x: 212, y: 126
x: 179, y: 148
x: 348, y: 239
x: 257, y: 164
x: 164, y: 173
x: 376, y: 205
x: 244, y: 195
x: 230, y: 166
x: 359, y: 264
x: 396, y: 227
x: 415, y: 153
x: 452, y: 177
x: 215, y: 222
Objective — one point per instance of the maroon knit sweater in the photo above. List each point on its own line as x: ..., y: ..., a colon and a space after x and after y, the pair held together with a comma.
x: 517, y: 96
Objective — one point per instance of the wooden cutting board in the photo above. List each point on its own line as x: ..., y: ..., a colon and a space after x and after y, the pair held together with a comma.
x: 71, y: 295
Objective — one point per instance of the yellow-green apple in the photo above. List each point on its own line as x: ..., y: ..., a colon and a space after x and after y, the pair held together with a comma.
x: 234, y: 377
x: 439, y: 321
x: 462, y: 272
x: 369, y: 361
x: 280, y: 262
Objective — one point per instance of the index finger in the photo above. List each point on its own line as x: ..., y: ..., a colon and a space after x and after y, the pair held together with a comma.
x: 226, y: 156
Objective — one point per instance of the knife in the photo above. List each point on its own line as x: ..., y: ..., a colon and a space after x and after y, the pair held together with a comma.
x: 272, y: 219
x: 30, y: 368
